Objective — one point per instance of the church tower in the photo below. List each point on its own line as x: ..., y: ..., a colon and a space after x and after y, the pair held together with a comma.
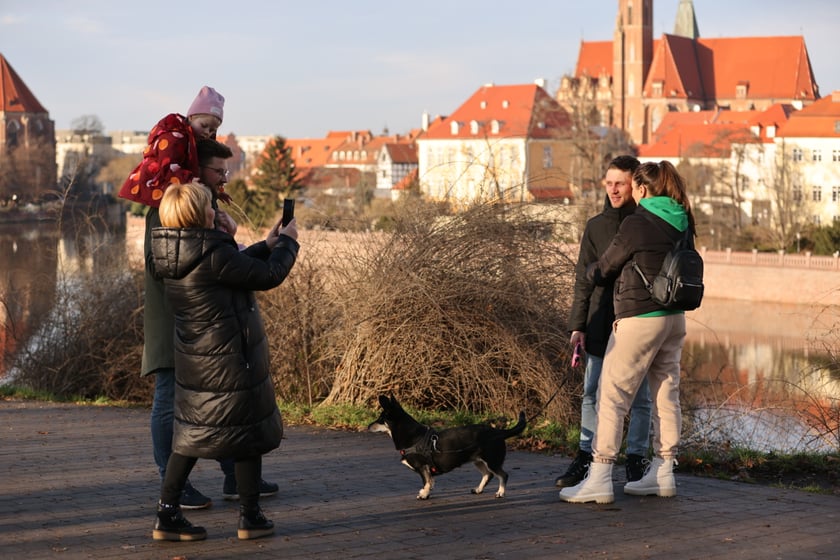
x: 27, y: 140
x: 632, y: 55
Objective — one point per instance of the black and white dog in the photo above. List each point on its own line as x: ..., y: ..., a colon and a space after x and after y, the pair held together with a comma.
x: 431, y: 452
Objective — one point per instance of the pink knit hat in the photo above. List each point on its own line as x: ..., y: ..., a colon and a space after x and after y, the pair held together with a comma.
x: 208, y: 102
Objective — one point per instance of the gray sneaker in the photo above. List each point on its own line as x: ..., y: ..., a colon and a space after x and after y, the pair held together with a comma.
x: 193, y: 499
x: 229, y: 488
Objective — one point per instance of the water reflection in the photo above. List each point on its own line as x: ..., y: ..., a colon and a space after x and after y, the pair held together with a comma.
x: 37, y: 260
x: 764, y: 376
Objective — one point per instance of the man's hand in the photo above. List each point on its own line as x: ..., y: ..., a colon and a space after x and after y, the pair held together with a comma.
x: 578, y: 337
x: 225, y: 223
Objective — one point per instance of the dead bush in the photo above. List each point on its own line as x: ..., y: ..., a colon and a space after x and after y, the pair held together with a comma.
x: 298, y: 317
x: 466, y: 312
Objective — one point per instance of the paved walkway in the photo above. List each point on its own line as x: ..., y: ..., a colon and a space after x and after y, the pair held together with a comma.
x: 79, y: 482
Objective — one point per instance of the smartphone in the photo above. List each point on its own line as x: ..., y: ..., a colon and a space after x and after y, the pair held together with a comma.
x: 577, y: 355
x: 288, y: 211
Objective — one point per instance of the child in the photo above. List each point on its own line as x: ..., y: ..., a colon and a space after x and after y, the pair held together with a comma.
x: 170, y: 157
x: 224, y: 396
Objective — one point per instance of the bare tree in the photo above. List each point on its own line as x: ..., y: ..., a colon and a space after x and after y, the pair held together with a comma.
x: 790, y: 204
x: 87, y: 124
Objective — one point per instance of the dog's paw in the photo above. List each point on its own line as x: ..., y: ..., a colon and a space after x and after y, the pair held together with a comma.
x: 422, y: 496
x: 476, y: 491
x: 500, y: 494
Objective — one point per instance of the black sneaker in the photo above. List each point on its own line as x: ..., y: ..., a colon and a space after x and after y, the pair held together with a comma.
x: 193, y: 499
x: 229, y: 491
x: 576, y: 471
x: 635, y: 467
x: 253, y: 524
x: 171, y: 525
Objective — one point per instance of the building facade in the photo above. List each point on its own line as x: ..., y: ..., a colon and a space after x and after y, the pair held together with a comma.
x: 633, y: 81
x: 27, y: 141
x: 504, y: 144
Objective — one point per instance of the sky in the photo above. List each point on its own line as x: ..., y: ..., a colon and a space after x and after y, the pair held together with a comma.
x: 302, y: 68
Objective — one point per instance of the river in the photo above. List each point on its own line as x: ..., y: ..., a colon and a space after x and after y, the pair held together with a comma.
x: 761, y: 375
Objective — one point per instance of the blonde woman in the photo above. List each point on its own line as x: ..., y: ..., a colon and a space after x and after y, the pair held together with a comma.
x: 224, y: 397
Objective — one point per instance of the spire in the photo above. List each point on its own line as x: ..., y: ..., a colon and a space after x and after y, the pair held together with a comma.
x: 15, y: 96
x: 686, y: 24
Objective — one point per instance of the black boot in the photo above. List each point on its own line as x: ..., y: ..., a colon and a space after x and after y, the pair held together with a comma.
x: 253, y: 524
x: 635, y: 467
x: 171, y: 525
x: 576, y: 471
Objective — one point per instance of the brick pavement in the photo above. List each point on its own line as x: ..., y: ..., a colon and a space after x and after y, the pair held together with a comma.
x: 79, y: 482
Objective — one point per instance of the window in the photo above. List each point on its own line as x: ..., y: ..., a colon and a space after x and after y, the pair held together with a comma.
x: 797, y: 154
x: 816, y: 155
x: 494, y: 126
x: 473, y: 127
x: 797, y: 193
x: 816, y: 193
x: 453, y: 127
x: 741, y: 90
x: 835, y: 193
x: 658, y: 87
x: 547, y: 159
x: 835, y: 155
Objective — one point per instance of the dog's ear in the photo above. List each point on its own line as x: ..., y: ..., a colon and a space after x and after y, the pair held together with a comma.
x: 383, y: 401
x: 394, y: 403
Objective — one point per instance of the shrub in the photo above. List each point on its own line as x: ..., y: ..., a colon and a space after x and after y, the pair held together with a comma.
x: 467, y: 312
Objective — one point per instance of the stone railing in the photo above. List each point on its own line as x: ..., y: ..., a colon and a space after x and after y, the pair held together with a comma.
x: 779, y: 259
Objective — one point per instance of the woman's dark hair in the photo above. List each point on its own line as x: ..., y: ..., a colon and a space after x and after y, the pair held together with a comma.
x: 663, y: 179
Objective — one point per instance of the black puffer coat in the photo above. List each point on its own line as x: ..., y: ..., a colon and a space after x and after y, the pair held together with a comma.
x: 592, y: 306
x: 224, y: 397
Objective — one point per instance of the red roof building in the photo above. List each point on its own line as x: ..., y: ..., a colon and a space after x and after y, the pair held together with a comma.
x: 27, y: 140
x: 505, y: 143
x: 634, y: 81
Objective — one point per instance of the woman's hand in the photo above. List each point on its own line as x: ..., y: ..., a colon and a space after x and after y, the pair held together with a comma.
x: 290, y: 230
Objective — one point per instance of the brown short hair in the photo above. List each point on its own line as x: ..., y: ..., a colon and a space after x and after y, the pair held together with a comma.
x: 207, y: 149
x: 183, y: 205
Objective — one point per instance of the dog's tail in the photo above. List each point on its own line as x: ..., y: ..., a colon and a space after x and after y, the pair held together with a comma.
x: 515, y: 430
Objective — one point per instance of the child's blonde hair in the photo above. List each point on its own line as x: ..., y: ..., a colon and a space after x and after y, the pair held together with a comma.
x: 183, y: 205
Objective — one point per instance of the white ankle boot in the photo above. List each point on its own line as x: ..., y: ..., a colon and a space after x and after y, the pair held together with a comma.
x: 596, y: 487
x: 657, y: 481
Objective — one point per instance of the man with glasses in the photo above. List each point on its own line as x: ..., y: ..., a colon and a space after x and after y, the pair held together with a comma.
x: 158, y: 332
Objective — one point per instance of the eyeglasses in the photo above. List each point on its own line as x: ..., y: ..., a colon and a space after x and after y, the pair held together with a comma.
x: 220, y: 170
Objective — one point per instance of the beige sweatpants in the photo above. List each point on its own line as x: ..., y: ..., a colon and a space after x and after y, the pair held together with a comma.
x: 639, y: 347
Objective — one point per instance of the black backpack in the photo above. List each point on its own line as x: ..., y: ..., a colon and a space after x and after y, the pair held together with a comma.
x: 679, y: 284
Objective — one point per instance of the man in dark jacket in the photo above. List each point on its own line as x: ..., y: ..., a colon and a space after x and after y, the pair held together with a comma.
x: 590, y: 322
